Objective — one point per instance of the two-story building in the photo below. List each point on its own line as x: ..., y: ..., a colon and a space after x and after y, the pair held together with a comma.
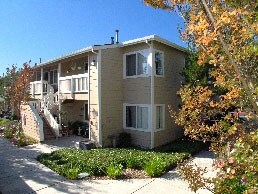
x: 120, y: 87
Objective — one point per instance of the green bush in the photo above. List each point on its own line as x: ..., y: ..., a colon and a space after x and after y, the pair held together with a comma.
x: 132, y: 162
x: 3, y: 122
x: 114, y: 171
x: 8, y: 133
x: 71, y: 173
x: 155, y: 167
x: 124, y: 140
x: 97, y: 162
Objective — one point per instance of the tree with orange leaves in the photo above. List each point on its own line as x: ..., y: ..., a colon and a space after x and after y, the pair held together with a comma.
x: 224, y: 34
x: 19, y: 86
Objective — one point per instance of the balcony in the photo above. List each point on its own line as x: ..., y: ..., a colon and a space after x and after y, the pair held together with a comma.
x: 36, y: 87
x: 74, y: 84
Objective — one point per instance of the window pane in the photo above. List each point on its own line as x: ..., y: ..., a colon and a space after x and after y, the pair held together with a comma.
x: 142, y: 117
x: 131, y: 65
x: 159, y: 117
x: 79, y: 82
x: 131, y: 116
x: 84, y: 83
x: 38, y: 76
x: 51, y: 77
x: 55, y: 76
x: 86, y: 67
x: 142, y: 66
x: 68, y: 85
x: 159, y: 63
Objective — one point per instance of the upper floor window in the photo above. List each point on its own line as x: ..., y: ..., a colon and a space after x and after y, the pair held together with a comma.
x: 38, y: 76
x: 159, y: 63
x: 136, y: 64
x: 86, y: 67
x: 53, y: 77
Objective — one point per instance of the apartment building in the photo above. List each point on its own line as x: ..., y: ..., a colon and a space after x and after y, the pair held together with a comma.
x: 119, y: 87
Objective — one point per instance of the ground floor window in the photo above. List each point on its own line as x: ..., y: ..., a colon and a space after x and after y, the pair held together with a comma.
x: 160, y: 116
x: 137, y: 116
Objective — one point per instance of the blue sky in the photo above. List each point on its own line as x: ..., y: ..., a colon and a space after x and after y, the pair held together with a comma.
x: 33, y: 29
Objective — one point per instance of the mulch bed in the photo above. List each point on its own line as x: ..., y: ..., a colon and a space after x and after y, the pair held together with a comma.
x: 129, y: 173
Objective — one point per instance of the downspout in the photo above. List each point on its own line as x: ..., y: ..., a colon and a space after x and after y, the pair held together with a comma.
x: 99, y: 97
x: 89, y: 95
x: 41, y: 80
x: 58, y: 86
x: 152, y: 108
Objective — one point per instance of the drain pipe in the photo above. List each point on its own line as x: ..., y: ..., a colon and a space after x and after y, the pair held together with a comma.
x: 152, y: 59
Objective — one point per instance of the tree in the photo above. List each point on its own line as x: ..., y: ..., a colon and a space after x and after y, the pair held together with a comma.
x: 19, y: 86
x: 224, y: 37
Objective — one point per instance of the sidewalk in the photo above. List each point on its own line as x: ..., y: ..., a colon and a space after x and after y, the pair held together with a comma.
x: 21, y: 173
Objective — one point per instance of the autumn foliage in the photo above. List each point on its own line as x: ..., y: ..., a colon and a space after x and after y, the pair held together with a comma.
x: 223, y: 38
x: 18, y: 86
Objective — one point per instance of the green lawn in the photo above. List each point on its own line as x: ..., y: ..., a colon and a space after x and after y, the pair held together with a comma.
x: 112, y: 161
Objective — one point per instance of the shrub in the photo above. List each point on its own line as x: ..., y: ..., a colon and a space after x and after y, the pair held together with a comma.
x: 124, y: 140
x: 155, y: 167
x: 71, y: 173
x: 114, y: 171
x: 3, y: 122
x: 132, y: 162
x: 8, y: 133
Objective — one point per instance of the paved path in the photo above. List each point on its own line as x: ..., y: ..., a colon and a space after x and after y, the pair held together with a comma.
x: 21, y: 173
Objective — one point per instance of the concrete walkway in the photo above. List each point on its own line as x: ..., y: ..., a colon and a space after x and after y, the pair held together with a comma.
x: 21, y: 173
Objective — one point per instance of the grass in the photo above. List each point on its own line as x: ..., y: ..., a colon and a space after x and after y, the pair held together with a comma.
x: 97, y: 162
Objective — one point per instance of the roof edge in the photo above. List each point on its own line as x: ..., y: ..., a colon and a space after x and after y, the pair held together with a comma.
x: 156, y: 38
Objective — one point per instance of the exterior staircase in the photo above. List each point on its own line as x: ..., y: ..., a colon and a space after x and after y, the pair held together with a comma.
x: 48, y: 132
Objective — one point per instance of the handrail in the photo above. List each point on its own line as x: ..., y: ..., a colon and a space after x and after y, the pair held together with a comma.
x: 37, y: 119
x: 52, y: 122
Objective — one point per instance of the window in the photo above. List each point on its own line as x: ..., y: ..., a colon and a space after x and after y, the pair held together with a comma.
x: 53, y: 77
x: 160, y: 115
x: 86, y: 67
x: 38, y: 76
x: 159, y: 62
x: 137, y: 117
x: 136, y: 63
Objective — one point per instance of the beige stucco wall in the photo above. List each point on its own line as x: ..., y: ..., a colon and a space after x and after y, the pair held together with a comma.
x: 75, y: 110
x: 93, y: 100
x: 111, y: 94
x: 29, y: 124
x: 165, y: 89
x: 140, y: 138
x: 70, y: 67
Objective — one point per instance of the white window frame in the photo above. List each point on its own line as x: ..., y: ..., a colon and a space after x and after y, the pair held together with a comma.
x: 163, y: 63
x: 164, y: 117
x: 148, y: 64
x: 139, y: 105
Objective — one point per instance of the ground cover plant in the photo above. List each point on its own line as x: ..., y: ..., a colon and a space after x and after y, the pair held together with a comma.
x: 12, y: 131
x: 112, y: 162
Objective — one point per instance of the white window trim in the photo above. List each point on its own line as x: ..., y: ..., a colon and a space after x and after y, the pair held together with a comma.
x: 163, y: 63
x: 124, y: 65
x: 164, y: 117
x: 149, y: 116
